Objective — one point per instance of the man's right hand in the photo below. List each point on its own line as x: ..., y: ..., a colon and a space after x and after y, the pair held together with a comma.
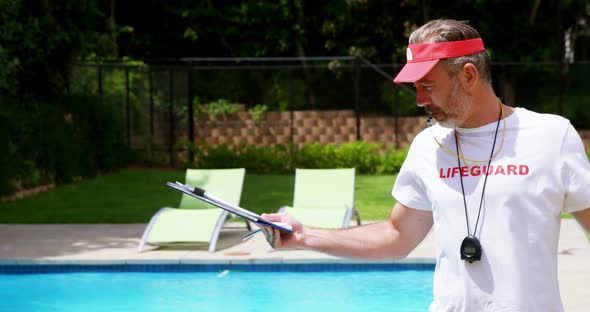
x: 279, y: 239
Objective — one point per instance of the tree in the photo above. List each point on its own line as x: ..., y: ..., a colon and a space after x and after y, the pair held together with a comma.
x: 40, y: 41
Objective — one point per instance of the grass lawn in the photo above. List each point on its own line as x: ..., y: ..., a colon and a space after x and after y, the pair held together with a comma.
x: 134, y: 195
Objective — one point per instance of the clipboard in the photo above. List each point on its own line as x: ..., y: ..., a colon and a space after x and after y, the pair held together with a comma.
x: 207, y: 197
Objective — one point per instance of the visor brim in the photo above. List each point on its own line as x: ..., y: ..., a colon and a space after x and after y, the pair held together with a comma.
x: 412, y: 72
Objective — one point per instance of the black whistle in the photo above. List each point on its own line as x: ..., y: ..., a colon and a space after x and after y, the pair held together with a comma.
x: 471, y: 249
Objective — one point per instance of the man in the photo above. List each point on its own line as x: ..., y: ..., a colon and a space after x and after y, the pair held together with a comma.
x: 492, y: 180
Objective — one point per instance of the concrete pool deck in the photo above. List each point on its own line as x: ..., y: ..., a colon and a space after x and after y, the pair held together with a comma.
x: 117, y: 244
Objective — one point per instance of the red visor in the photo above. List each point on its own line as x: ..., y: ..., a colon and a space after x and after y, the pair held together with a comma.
x: 422, y: 57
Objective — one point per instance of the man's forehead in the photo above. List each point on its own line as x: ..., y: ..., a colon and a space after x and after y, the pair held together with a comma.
x: 432, y: 75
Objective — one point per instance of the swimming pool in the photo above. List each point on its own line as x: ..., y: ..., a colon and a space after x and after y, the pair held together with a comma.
x: 293, y: 287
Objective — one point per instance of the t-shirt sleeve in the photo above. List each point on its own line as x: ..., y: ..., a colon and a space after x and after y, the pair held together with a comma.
x: 575, y: 172
x: 408, y: 189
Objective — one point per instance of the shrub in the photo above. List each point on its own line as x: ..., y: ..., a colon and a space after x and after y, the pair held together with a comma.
x: 264, y: 159
x: 257, y: 113
x: 35, y: 135
x: 361, y: 155
x: 8, y: 159
x: 367, y: 158
x: 315, y: 155
x: 58, y: 141
x: 392, y: 160
x: 216, y: 156
x: 100, y: 132
x: 221, y: 107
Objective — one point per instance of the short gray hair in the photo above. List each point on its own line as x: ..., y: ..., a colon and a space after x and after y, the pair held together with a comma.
x: 442, y: 30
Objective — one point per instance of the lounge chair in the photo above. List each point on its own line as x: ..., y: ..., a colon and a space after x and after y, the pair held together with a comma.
x: 324, y: 198
x: 194, y: 221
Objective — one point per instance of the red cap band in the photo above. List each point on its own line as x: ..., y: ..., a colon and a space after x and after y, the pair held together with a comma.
x: 422, y: 57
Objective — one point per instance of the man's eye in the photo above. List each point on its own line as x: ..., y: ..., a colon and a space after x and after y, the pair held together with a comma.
x: 423, y: 86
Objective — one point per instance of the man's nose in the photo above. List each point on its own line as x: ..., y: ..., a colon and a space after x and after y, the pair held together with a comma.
x: 422, y: 98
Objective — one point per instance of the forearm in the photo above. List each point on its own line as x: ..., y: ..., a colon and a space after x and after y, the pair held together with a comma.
x: 583, y: 217
x: 373, y: 241
x: 391, y: 239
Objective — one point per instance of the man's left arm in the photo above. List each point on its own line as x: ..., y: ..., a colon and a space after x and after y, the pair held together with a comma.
x: 583, y: 217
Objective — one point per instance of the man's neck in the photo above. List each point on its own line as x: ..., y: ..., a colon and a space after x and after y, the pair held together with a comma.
x: 485, y: 109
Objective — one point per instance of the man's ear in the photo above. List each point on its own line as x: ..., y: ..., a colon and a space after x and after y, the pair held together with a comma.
x: 470, y: 77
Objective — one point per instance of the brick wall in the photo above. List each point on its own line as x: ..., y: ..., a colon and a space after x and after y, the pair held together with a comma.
x: 337, y: 126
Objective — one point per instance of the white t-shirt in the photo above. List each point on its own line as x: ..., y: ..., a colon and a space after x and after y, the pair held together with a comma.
x: 540, y: 171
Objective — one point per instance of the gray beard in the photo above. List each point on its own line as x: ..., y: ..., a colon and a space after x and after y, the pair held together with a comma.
x: 463, y: 102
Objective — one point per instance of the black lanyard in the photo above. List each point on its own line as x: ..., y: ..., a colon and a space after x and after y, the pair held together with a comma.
x: 471, y: 247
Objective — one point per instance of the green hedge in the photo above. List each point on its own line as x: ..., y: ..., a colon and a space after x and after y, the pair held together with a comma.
x: 367, y: 158
x: 7, y: 152
x: 74, y: 136
x: 268, y: 159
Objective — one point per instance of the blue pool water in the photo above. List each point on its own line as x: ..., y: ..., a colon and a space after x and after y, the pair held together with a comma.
x: 231, y: 288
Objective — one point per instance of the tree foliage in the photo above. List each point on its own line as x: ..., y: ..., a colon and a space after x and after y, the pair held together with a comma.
x: 40, y: 40
x: 39, y: 43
